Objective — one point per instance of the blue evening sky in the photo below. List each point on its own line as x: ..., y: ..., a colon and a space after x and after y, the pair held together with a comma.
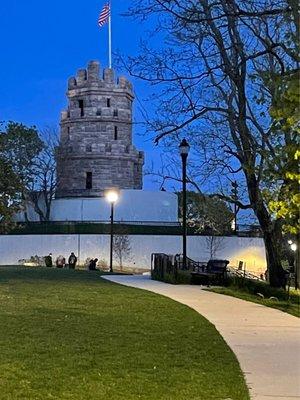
x: 44, y: 43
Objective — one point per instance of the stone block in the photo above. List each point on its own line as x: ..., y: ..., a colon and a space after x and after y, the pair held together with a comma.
x: 108, y: 75
x: 93, y: 71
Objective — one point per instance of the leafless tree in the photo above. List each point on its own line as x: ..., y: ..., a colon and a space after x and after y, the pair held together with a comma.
x: 212, y: 90
x: 44, y: 181
x: 214, y: 244
x: 121, y: 248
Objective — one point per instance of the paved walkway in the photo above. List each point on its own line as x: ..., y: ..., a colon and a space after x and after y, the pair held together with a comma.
x: 266, y: 341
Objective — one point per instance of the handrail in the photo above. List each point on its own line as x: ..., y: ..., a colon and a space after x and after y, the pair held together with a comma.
x: 106, y: 222
x: 244, y: 274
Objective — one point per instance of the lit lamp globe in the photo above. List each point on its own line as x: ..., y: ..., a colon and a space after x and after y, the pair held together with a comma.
x: 184, y: 148
x: 111, y: 196
x: 294, y: 246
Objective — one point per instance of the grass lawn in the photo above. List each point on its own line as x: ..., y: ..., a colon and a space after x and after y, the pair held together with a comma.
x: 72, y: 335
x: 291, y: 307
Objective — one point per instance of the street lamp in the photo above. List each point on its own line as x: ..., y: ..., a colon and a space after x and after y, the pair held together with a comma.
x: 184, y: 149
x: 234, y: 193
x: 111, y: 196
x: 294, y: 248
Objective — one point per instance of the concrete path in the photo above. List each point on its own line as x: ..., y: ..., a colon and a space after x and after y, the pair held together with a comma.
x: 266, y: 341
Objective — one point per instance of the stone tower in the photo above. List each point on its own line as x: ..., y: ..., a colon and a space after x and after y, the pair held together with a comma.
x: 96, y: 150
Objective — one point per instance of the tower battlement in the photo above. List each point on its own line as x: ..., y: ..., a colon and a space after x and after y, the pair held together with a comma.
x: 96, y: 150
x: 91, y: 76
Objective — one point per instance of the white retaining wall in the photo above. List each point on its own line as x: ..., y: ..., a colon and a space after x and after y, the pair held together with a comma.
x: 16, y: 247
x: 132, y: 205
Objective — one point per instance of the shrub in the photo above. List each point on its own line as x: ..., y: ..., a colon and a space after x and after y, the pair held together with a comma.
x: 254, y: 287
x: 183, y: 277
x: 103, y: 264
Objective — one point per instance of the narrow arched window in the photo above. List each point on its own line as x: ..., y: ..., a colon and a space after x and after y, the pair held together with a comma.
x: 89, y: 180
x: 80, y: 104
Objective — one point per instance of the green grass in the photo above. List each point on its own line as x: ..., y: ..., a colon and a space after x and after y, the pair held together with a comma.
x: 247, y: 290
x: 72, y: 335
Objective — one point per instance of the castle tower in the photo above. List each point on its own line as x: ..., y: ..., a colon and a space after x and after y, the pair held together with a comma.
x: 96, y: 150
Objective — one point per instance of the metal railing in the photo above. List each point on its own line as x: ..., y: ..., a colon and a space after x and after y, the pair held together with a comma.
x: 243, y: 230
x: 105, y: 222
x: 242, y: 273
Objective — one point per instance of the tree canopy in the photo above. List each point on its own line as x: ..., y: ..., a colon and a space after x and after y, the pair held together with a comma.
x: 207, y: 214
x: 211, y: 72
x: 27, y: 172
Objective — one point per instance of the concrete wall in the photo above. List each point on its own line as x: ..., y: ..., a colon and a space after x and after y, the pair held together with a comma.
x: 16, y: 247
x: 133, y: 205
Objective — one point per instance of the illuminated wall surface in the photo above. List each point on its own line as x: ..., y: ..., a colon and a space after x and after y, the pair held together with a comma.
x: 234, y: 249
x: 133, y: 205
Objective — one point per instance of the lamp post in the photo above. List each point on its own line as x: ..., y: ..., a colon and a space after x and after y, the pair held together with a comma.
x: 234, y: 192
x: 295, y: 249
x: 111, y: 196
x: 184, y: 149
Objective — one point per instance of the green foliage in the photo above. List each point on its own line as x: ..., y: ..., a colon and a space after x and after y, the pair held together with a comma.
x: 285, y: 109
x: 282, y: 168
x: 19, y: 147
x: 247, y: 289
x: 71, y: 335
x: 253, y: 286
x: 10, y: 201
x: 181, y: 277
x: 206, y: 213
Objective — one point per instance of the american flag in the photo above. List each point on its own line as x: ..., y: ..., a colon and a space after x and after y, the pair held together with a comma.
x: 104, y: 15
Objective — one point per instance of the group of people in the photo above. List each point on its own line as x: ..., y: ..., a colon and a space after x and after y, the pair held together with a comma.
x: 61, y: 261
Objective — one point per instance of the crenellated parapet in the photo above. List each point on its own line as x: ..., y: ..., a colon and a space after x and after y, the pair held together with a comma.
x: 93, y: 76
x: 96, y: 150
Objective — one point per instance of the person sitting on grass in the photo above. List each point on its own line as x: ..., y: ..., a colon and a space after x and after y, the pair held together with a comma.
x: 60, y: 261
x: 72, y: 261
x: 92, y: 264
x: 48, y: 260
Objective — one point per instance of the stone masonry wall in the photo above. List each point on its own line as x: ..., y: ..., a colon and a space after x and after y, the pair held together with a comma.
x: 96, y: 136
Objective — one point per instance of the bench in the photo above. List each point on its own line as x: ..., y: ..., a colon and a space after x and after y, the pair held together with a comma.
x: 215, y: 271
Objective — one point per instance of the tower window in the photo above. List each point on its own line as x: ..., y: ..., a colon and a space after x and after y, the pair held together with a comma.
x: 115, y: 112
x: 80, y: 104
x: 88, y: 148
x: 98, y: 113
x: 116, y: 133
x: 89, y: 180
x: 108, y: 102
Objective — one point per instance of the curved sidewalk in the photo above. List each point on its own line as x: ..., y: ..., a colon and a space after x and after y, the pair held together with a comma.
x: 266, y: 341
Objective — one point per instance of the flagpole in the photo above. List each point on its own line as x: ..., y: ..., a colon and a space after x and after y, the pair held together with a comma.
x: 109, y: 37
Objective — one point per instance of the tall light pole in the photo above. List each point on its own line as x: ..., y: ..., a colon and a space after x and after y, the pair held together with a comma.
x: 295, y: 249
x: 234, y: 192
x: 184, y: 149
x: 111, y: 196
